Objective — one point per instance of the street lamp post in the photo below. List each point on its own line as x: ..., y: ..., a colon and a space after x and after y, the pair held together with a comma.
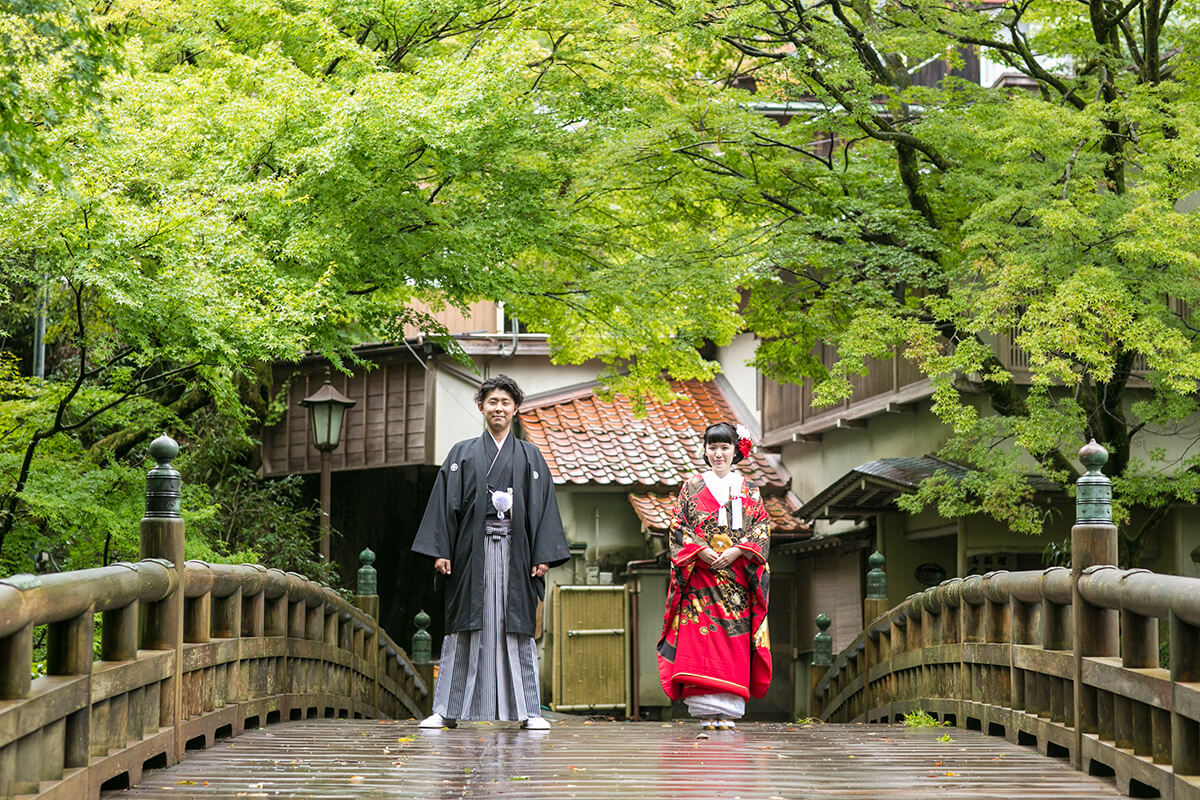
x: 326, y: 411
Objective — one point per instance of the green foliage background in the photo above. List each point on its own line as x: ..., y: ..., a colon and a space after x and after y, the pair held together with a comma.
x: 205, y: 187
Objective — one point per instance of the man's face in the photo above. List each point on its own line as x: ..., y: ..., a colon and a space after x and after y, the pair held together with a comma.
x: 498, y: 409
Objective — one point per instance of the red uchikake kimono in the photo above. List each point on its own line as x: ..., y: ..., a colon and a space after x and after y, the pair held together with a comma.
x: 715, y: 636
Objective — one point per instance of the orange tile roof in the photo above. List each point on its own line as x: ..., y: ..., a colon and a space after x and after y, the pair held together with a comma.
x: 587, y: 441
x: 654, y: 510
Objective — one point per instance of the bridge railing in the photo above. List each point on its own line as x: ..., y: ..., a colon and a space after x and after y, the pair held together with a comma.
x: 189, y: 653
x: 1063, y: 659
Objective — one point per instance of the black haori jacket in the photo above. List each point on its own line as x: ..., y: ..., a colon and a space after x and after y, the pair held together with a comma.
x: 453, y: 528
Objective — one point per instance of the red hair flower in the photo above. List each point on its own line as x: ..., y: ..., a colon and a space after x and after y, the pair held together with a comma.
x: 743, y: 443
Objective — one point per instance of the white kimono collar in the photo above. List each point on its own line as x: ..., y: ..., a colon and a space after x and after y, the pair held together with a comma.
x: 723, y: 489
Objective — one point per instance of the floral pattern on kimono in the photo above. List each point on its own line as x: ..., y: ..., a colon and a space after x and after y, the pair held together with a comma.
x: 715, y: 636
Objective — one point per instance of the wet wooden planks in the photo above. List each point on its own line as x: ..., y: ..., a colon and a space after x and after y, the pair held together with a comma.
x: 613, y: 760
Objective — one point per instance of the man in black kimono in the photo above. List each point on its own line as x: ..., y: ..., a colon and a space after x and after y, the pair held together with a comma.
x: 493, y: 530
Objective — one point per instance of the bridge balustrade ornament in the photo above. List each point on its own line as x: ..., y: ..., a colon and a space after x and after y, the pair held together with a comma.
x: 190, y: 653
x: 1063, y: 659
x: 1093, y: 490
x: 823, y: 642
x: 367, y: 577
x: 876, y: 577
x: 422, y: 642
x: 163, y: 484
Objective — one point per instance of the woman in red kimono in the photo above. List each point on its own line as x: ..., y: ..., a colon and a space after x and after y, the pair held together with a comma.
x: 715, y: 651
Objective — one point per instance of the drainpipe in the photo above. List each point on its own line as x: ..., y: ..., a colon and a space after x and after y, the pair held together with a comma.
x: 516, y: 341
x: 634, y: 583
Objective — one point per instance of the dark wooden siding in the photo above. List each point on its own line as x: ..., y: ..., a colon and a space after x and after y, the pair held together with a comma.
x: 385, y: 429
x: 785, y: 404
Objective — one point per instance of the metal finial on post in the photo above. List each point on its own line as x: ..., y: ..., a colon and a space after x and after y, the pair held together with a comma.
x: 422, y: 647
x: 367, y: 596
x: 1093, y: 490
x: 162, y: 482
x: 823, y: 643
x: 876, y: 601
x: 368, y: 579
x: 876, y: 577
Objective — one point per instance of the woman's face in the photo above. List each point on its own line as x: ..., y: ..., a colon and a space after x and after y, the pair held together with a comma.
x: 720, y: 457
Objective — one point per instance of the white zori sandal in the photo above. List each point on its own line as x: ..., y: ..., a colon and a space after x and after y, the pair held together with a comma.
x: 438, y: 721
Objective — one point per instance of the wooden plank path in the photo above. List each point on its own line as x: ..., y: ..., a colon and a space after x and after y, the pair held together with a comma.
x: 358, y: 759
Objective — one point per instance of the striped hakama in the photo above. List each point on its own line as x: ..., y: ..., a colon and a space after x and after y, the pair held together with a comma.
x: 489, y: 674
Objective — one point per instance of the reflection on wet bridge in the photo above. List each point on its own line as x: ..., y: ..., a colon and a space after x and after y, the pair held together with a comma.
x: 606, y: 760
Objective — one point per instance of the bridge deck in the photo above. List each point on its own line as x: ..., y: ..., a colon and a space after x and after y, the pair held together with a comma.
x: 606, y: 760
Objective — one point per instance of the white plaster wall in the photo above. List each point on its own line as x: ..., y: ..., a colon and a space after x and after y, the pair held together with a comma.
x: 455, y: 415
x: 743, y: 378
x: 536, y: 374
x: 458, y: 418
x: 815, y: 465
x: 605, y: 521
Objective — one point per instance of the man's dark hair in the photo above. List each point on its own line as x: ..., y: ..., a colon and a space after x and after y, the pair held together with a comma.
x: 503, y: 383
x: 724, y: 433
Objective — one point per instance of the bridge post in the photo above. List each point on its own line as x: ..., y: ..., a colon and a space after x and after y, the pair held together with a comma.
x: 874, y: 604
x: 822, y: 660
x: 162, y: 532
x: 876, y: 601
x: 366, y: 598
x: 422, y: 658
x: 1095, y: 631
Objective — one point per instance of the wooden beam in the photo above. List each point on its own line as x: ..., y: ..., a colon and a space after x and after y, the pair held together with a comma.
x: 900, y: 408
x: 848, y: 512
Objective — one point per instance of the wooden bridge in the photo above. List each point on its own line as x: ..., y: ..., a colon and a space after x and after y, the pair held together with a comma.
x: 238, y: 681
x: 345, y: 760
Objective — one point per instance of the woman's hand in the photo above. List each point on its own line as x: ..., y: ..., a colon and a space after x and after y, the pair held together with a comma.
x: 708, y: 556
x: 442, y: 565
x: 726, y: 558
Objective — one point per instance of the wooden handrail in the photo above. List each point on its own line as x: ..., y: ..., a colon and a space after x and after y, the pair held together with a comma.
x: 189, y: 654
x: 1067, y: 660
x: 43, y: 599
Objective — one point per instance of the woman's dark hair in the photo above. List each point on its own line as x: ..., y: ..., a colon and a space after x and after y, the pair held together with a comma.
x: 502, y: 383
x: 723, y: 433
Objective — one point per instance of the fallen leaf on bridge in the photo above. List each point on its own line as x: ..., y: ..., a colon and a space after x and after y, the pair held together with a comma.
x: 357, y: 779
